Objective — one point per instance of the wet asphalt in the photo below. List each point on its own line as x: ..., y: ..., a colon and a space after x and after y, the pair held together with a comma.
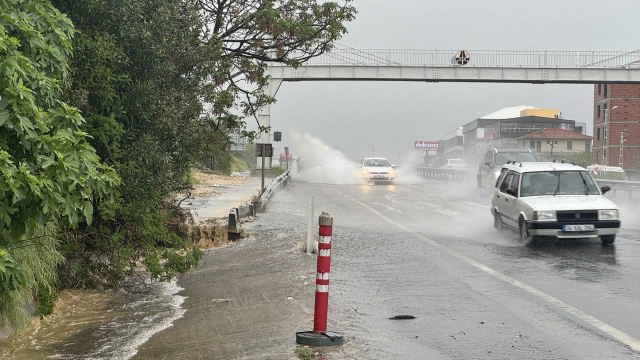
x: 429, y: 249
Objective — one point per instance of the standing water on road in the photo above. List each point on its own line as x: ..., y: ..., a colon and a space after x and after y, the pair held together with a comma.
x: 92, y: 325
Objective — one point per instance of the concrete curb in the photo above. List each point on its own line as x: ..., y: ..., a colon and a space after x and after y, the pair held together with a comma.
x: 251, y: 208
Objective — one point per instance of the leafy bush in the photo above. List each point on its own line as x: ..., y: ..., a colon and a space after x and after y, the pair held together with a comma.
x: 583, y: 159
x: 35, y: 258
x: 51, y: 175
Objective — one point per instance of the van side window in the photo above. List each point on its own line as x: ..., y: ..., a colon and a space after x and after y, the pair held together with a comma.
x: 501, y: 177
x: 488, y: 157
x: 515, y: 183
x: 506, y: 182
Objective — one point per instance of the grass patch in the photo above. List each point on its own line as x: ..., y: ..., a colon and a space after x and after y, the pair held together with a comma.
x: 305, y: 353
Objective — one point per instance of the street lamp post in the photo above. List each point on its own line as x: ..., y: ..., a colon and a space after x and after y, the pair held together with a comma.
x: 373, y: 150
x: 606, y: 133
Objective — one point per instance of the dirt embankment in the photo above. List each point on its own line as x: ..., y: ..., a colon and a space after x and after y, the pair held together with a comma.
x: 209, y: 184
x: 210, y: 232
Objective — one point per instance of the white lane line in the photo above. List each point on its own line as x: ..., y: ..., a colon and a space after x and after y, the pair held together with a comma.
x: 619, y: 335
x: 476, y: 204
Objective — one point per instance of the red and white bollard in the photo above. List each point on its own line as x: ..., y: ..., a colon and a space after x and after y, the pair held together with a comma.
x: 320, y: 336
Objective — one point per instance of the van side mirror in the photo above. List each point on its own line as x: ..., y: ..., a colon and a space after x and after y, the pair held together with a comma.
x: 605, y: 189
x: 359, y: 165
x: 393, y: 166
x: 512, y: 192
x: 487, y: 163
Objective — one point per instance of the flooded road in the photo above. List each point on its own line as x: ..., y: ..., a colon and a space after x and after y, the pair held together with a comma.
x: 93, y: 325
x: 430, y: 250
x: 421, y: 248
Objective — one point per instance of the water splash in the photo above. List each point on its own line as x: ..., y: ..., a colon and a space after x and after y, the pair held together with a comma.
x: 323, y: 164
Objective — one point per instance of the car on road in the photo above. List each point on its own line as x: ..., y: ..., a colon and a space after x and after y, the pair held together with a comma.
x: 454, y: 164
x: 553, y: 200
x: 489, y: 169
x: 377, y: 169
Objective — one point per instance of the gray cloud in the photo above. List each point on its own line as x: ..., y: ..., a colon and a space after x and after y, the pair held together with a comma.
x: 391, y: 115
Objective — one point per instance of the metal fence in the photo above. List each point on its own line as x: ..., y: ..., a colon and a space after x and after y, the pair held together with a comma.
x: 435, y: 173
x: 626, y: 189
x: 343, y: 55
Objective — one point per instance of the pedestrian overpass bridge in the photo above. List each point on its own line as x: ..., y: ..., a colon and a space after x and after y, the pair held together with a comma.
x: 344, y: 63
x: 571, y: 67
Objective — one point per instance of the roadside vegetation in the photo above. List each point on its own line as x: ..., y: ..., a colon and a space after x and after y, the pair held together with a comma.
x: 105, y: 106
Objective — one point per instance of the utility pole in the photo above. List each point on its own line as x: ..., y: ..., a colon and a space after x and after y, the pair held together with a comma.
x: 286, y: 156
x: 262, y: 169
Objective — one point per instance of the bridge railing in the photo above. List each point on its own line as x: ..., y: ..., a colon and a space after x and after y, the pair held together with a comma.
x: 480, y: 58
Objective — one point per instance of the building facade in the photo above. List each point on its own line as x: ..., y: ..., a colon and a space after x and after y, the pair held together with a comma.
x: 454, y: 144
x: 502, y: 128
x: 503, y: 133
x: 617, y: 105
x: 555, y: 144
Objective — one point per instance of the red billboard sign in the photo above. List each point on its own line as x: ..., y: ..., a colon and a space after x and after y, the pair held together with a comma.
x: 426, y: 145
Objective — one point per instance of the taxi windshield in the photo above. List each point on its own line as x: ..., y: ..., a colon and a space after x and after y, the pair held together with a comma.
x: 557, y: 183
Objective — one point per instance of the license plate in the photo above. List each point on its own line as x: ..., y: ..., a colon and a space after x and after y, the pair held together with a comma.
x: 578, y: 227
x: 378, y: 177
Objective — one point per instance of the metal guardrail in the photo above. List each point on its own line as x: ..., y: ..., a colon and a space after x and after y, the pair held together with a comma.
x: 244, y: 211
x: 437, y: 173
x: 273, y: 186
x: 344, y: 55
x: 621, y: 187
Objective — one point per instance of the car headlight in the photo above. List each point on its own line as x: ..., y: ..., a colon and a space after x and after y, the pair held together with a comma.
x: 390, y: 172
x: 544, y: 215
x: 608, y: 214
x: 364, y: 172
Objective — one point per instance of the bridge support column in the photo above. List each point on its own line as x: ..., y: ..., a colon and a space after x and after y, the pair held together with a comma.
x: 264, y: 118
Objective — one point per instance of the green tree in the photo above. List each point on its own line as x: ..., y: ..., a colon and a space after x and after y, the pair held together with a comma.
x: 161, y: 83
x: 583, y: 159
x: 50, y: 173
x: 139, y: 75
x: 248, y: 35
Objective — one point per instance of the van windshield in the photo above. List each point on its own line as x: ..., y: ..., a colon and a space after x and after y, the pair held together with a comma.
x: 503, y: 157
x: 557, y: 183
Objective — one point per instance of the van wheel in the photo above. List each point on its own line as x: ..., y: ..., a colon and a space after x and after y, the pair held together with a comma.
x: 525, y: 237
x: 608, y: 239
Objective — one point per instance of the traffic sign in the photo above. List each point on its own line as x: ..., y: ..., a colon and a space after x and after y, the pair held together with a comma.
x: 266, y: 149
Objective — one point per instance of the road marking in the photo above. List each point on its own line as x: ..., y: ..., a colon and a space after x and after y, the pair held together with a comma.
x: 483, y: 206
x: 619, y: 335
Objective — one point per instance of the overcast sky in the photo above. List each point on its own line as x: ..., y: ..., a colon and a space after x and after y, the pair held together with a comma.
x: 391, y: 115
